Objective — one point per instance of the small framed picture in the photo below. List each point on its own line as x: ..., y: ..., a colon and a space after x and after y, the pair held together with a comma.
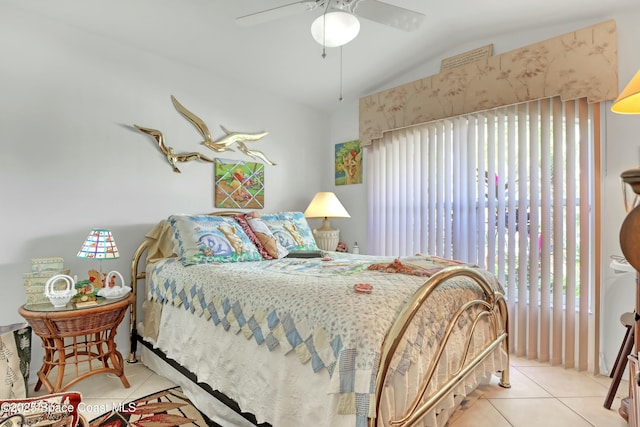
x: 239, y: 185
x: 348, y: 163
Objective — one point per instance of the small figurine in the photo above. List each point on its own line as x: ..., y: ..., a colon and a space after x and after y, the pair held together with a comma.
x: 84, y: 291
x: 96, y: 279
x: 84, y: 287
x: 342, y: 247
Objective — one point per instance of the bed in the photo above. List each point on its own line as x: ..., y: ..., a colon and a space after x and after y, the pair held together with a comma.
x: 283, y: 339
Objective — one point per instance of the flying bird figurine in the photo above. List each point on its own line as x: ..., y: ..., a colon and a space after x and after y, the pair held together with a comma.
x: 253, y: 153
x: 201, y: 126
x: 172, y: 157
x: 223, y: 144
x: 239, y: 138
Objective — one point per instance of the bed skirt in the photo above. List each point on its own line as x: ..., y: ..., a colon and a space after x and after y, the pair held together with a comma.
x: 279, y: 405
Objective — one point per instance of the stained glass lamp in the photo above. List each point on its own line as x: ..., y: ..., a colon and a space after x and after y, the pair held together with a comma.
x: 99, y: 245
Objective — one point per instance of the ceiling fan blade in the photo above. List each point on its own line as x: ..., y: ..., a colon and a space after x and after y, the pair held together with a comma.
x: 388, y: 14
x: 275, y: 13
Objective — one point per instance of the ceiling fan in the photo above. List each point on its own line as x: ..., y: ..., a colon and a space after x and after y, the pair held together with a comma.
x: 373, y: 10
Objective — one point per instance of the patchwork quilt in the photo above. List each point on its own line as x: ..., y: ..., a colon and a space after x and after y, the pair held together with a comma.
x: 311, y: 307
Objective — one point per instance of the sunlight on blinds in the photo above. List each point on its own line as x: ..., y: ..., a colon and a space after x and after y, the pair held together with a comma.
x: 510, y: 190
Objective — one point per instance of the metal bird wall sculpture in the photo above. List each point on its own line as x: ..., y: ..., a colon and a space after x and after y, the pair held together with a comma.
x: 253, y: 153
x: 201, y: 126
x: 172, y: 157
x: 221, y: 145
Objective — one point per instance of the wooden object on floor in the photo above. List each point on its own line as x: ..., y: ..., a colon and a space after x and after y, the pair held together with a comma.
x: 630, y: 246
x: 623, y: 410
x: 82, y: 337
x: 627, y: 320
x: 632, y: 402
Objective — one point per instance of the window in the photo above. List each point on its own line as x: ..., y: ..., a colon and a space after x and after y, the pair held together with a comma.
x: 511, y: 190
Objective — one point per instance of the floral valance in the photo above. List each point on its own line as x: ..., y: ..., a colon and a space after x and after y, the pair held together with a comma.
x: 580, y: 64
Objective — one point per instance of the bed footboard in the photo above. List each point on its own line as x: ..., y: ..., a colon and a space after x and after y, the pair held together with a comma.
x: 493, y: 307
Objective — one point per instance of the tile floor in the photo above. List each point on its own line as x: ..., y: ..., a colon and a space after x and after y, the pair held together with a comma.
x: 540, y: 395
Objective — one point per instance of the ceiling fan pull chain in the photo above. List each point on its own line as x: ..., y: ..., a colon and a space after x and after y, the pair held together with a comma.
x: 324, y: 34
x: 340, y: 99
x: 324, y: 30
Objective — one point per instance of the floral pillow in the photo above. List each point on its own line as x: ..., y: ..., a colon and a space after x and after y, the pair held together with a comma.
x: 243, y: 221
x: 202, y: 239
x: 291, y: 230
x: 267, y: 239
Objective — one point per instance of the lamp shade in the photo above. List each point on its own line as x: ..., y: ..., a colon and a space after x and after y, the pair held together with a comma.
x: 335, y: 28
x: 326, y: 205
x: 628, y: 102
x: 99, y: 245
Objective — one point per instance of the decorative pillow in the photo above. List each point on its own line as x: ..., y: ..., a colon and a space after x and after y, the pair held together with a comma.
x: 15, y: 348
x: 267, y: 239
x: 242, y: 220
x: 160, y: 242
x: 292, y: 230
x: 60, y: 409
x: 202, y: 239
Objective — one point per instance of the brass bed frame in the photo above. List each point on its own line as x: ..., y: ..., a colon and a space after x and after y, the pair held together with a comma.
x: 493, y: 307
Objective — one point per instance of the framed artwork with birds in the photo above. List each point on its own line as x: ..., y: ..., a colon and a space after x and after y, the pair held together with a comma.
x: 239, y: 184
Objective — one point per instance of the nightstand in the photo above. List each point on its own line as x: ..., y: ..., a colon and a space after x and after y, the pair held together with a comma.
x: 82, y: 337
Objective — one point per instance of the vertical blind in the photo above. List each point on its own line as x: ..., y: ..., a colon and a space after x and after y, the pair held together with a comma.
x: 511, y: 190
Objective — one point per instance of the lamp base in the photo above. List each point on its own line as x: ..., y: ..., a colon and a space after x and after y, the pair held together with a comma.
x: 327, y: 240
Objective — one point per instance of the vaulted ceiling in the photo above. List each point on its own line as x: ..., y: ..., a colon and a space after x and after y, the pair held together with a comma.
x: 281, y: 55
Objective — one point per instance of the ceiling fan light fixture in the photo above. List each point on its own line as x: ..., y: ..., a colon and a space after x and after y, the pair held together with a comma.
x: 341, y: 27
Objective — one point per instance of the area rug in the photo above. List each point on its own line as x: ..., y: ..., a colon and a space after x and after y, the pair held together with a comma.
x: 172, y: 408
x: 162, y: 409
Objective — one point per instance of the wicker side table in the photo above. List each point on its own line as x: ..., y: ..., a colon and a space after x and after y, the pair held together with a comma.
x: 82, y: 337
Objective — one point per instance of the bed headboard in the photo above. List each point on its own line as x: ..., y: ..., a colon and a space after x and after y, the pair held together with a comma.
x: 157, y: 244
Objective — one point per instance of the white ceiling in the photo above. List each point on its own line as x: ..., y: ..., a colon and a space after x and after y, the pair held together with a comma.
x: 281, y: 55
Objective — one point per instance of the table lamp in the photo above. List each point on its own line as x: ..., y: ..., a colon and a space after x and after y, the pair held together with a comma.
x: 99, y: 245
x: 326, y: 205
x: 628, y: 102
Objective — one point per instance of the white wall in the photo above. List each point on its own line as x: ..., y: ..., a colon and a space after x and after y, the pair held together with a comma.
x: 70, y: 161
x: 620, y: 151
